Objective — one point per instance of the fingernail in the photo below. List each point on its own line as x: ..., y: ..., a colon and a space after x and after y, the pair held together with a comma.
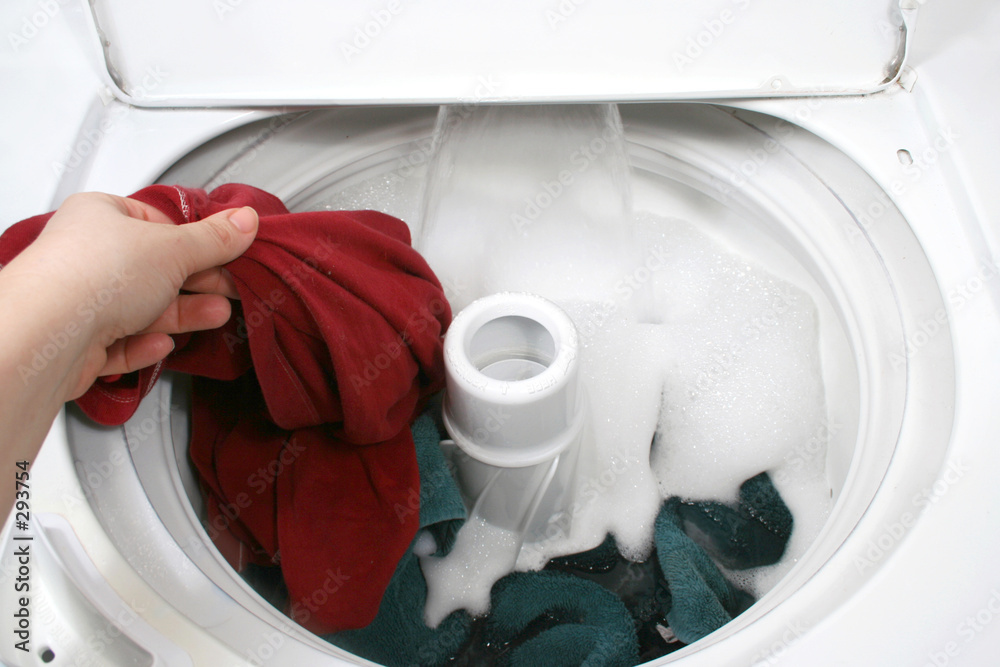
x: 244, y: 219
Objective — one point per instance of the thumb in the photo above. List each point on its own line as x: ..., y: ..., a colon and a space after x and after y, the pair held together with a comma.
x: 218, y: 239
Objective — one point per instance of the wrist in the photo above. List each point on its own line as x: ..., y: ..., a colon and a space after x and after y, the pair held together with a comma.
x: 51, y: 330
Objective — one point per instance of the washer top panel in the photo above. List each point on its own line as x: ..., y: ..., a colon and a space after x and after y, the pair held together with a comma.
x: 247, y: 53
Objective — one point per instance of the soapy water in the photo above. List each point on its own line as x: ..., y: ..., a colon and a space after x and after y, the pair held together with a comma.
x: 702, y: 368
x: 482, y: 552
x: 506, y: 183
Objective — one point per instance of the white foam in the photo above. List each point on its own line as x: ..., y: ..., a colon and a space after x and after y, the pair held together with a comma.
x: 717, y: 360
x: 616, y: 491
x: 682, y: 340
x: 481, y: 555
x: 745, y: 386
x: 744, y: 393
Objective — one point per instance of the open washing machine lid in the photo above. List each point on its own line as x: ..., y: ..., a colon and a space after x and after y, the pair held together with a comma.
x: 238, y: 53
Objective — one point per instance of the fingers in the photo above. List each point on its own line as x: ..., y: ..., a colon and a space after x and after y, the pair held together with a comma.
x: 192, y: 312
x: 135, y: 352
x: 217, y: 239
x: 142, y: 211
x: 98, y: 235
x: 212, y: 281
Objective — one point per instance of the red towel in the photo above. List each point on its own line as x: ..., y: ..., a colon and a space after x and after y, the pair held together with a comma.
x: 303, y: 399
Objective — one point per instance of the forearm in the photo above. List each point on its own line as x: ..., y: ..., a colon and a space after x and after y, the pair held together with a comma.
x: 41, y: 346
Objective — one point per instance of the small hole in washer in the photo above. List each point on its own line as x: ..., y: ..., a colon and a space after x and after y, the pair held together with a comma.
x: 47, y: 655
x: 904, y: 156
x: 512, y: 348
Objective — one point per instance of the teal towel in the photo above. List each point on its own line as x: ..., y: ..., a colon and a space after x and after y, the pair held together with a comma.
x: 398, y: 635
x: 442, y: 511
x: 702, y: 600
x: 751, y: 535
x: 553, y: 619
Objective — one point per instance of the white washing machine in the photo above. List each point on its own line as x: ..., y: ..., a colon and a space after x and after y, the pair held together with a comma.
x: 841, y: 139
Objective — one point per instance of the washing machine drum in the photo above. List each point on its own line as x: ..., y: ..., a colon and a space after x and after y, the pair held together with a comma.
x: 800, y: 210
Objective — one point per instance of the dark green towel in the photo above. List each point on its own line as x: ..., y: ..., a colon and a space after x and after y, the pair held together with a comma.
x: 553, y: 619
x: 442, y: 511
x: 702, y: 600
x: 751, y: 535
x: 754, y: 534
x: 398, y: 635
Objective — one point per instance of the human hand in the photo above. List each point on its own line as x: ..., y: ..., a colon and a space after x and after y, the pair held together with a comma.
x: 108, y: 272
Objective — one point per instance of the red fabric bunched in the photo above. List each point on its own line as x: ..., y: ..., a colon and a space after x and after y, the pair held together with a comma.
x: 302, y: 401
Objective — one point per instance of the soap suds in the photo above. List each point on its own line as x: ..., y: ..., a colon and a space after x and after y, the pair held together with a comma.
x: 702, y: 370
x: 745, y: 384
x: 482, y: 554
x: 701, y: 367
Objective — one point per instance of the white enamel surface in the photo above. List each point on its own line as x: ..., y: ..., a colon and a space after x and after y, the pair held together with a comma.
x: 238, y: 51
